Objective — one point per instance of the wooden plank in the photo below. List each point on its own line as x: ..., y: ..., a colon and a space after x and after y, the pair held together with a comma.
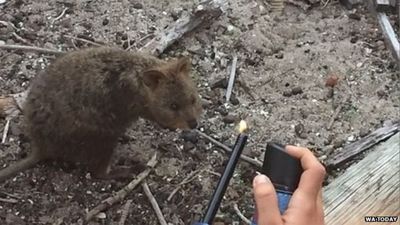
x: 355, y: 148
x: 390, y: 36
x: 368, y: 188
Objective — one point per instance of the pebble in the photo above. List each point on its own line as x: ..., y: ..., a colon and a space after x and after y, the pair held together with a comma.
x: 338, y: 143
x: 381, y: 93
x: 234, y: 100
x: 137, y: 5
x: 364, y: 132
x: 101, y: 215
x: 299, y: 129
x: 2, y: 42
x: 297, y: 90
x: 2, y: 1
x: 351, y: 138
x: 222, y: 111
x: 279, y: 55
x: 187, y: 146
x: 354, y: 40
x: 190, y: 136
x: 228, y: 119
x: 287, y: 93
x: 105, y: 21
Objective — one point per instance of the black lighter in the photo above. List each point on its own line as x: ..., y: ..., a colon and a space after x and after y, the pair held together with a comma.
x: 284, y: 171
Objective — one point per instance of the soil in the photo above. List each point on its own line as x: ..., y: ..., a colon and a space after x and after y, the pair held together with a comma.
x: 283, y: 65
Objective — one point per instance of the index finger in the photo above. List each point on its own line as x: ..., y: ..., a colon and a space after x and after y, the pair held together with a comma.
x: 314, y: 172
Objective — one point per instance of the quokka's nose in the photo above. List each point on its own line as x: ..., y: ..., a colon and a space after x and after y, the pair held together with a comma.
x: 192, y: 124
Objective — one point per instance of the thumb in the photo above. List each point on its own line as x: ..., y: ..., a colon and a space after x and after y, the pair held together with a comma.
x: 266, y: 201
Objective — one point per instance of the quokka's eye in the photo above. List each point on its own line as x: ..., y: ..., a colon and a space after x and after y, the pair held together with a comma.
x: 193, y: 100
x: 174, y: 106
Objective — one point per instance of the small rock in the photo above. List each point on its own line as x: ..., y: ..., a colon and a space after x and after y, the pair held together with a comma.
x: 287, y: 93
x: 187, y: 146
x: 332, y: 80
x: 206, y: 103
x: 222, y: 111
x: 230, y: 29
x: 101, y: 215
x: 338, y: 143
x: 364, y: 132
x: 354, y: 16
x: 234, y: 100
x: 2, y: 42
x: 223, y: 83
x: 105, y: 21
x: 2, y: 1
x: 299, y: 129
x: 351, y: 138
x: 228, y: 119
x: 190, y: 136
x: 381, y: 93
x: 297, y: 90
x: 279, y: 55
x: 137, y: 5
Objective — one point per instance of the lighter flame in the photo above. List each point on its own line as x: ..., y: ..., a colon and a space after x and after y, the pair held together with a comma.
x: 242, y: 126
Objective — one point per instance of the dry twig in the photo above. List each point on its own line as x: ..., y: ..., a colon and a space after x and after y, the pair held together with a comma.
x: 154, y: 204
x: 245, y: 158
x: 231, y: 78
x: 125, y: 212
x: 60, y: 16
x: 5, y: 131
x: 9, y: 200
x: 20, y: 39
x: 31, y: 49
x: 187, y: 179
x: 241, y: 216
x: 121, y: 194
x: 83, y: 40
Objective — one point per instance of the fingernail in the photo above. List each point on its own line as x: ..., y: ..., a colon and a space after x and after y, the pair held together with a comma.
x: 261, y: 179
x: 258, y: 173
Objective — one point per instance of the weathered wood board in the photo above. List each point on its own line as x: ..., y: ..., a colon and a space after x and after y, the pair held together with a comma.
x: 369, y: 188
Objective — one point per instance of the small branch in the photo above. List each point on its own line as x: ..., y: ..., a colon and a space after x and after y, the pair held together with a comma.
x: 337, y: 111
x: 125, y: 212
x: 231, y: 78
x: 9, y: 200
x: 241, y: 216
x: 20, y: 39
x: 154, y: 204
x: 121, y: 194
x: 83, y: 40
x: 5, y: 131
x: 245, y: 158
x: 188, y: 179
x: 31, y: 49
x: 357, y: 147
x: 60, y: 16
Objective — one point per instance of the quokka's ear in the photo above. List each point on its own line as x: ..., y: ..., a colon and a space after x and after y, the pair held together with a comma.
x: 183, y: 65
x: 152, y: 78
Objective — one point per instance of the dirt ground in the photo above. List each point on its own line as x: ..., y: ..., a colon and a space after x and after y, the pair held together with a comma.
x: 283, y: 64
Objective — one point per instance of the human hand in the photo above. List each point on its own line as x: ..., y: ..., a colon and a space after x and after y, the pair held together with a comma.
x: 305, y: 206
